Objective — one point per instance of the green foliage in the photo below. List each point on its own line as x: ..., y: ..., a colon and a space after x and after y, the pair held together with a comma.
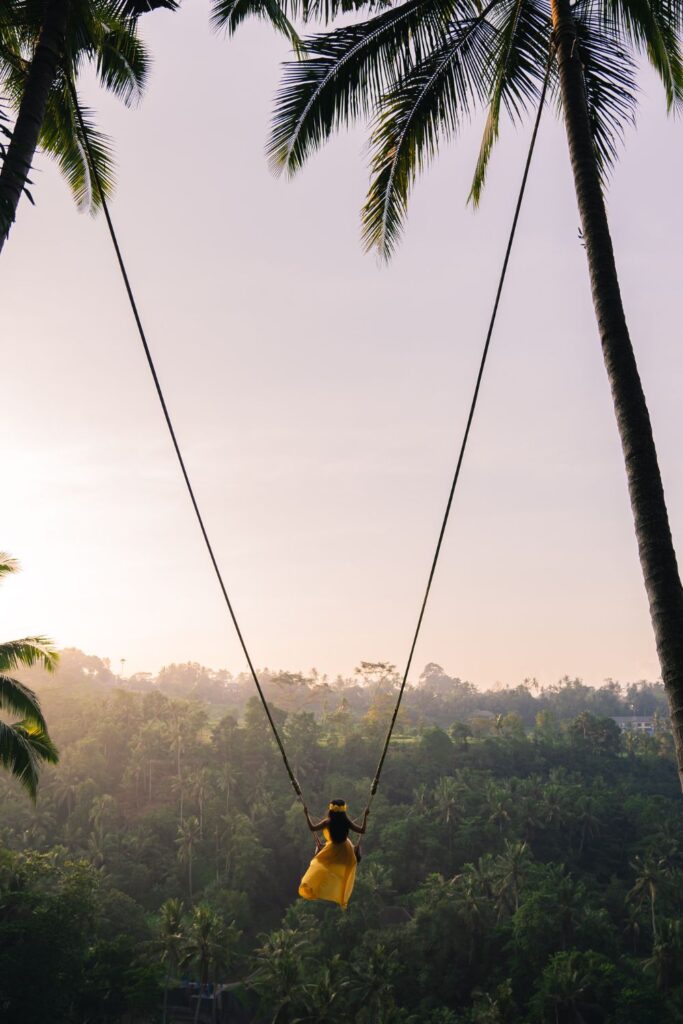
x: 47, y: 915
x: 523, y: 859
x: 24, y: 744
x: 101, y: 34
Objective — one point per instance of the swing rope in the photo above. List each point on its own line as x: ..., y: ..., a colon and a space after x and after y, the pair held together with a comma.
x: 183, y: 468
x: 169, y: 423
x: 470, y: 417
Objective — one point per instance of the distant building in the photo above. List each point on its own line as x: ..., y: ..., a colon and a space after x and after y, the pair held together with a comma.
x: 634, y: 723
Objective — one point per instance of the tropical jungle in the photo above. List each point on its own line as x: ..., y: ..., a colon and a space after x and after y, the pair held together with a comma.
x: 523, y: 860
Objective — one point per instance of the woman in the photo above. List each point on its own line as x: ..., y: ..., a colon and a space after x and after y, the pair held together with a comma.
x: 332, y: 871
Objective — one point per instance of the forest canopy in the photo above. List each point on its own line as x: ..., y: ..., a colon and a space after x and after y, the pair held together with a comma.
x: 524, y: 861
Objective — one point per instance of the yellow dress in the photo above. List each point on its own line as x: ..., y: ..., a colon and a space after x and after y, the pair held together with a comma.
x: 331, y: 873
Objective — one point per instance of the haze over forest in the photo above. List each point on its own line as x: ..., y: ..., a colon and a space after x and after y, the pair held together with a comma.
x: 524, y: 861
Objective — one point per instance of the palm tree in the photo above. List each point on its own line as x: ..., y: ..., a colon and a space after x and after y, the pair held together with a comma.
x: 226, y: 779
x: 588, y: 822
x: 64, y: 789
x: 209, y: 946
x: 171, y: 942
x: 447, y: 797
x: 473, y: 901
x: 282, y: 963
x: 565, y: 991
x: 188, y: 836
x: 43, y: 46
x: 418, y: 68
x: 324, y: 995
x: 498, y: 807
x: 199, y: 784
x: 667, y: 955
x: 648, y: 876
x: 24, y: 744
x: 371, y: 985
x: 511, y: 865
x: 178, y: 785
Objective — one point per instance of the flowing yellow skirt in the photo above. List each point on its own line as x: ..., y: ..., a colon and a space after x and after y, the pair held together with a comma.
x: 331, y: 874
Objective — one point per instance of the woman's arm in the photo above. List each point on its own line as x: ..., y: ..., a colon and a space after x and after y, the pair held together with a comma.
x: 360, y: 829
x: 316, y: 827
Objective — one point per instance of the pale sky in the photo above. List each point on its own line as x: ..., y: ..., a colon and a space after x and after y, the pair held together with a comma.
x: 320, y: 396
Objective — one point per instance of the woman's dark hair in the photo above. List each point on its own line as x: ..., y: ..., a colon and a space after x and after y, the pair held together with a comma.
x: 339, y: 823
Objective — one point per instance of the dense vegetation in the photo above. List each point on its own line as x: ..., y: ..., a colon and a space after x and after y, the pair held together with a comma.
x: 524, y: 861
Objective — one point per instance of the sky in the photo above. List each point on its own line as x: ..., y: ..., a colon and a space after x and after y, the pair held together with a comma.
x: 320, y: 396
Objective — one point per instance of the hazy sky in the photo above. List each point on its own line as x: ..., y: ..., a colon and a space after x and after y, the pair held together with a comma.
x: 320, y: 397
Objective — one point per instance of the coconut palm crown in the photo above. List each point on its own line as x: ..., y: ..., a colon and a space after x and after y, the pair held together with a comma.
x: 44, y: 46
x: 24, y: 743
x: 418, y: 70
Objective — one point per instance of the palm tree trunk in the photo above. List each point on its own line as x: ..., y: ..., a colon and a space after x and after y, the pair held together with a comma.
x: 653, y: 534
x: 167, y: 981
x: 199, y: 995
x: 22, y: 148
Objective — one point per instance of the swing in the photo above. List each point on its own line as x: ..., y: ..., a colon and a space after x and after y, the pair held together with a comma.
x: 331, y: 873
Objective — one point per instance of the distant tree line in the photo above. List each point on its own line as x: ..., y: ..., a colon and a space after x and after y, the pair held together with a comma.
x: 436, y: 697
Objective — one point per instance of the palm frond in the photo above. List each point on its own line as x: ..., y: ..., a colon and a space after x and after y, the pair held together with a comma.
x: 29, y: 651
x: 41, y: 743
x: 63, y: 139
x: 23, y: 746
x: 347, y: 71
x: 653, y: 27
x: 135, y: 8
x: 426, y: 107
x: 326, y: 11
x: 228, y: 15
x: 610, y: 75
x: 122, y: 63
x: 514, y: 74
x: 18, y: 700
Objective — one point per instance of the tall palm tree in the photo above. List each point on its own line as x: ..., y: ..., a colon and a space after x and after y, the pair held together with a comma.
x: 171, y: 942
x: 44, y: 44
x: 667, y: 955
x: 210, y: 946
x: 281, y: 965
x: 418, y: 68
x: 24, y: 744
x: 648, y: 876
x: 566, y: 990
x: 511, y: 866
x: 188, y: 837
x: 199, y: 786
x: 226, y: 779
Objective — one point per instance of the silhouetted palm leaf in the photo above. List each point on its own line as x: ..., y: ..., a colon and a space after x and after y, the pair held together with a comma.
x: 347, y: 72
x: 23, y: 746
x: 415, y: 70
x: 18, y: 700
x: 611, y: 91
x: 515, y: 74
x: 424, y: 108
x: 230, y: 14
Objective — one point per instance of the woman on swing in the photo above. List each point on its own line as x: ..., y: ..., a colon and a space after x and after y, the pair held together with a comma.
x: 332, y: 871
